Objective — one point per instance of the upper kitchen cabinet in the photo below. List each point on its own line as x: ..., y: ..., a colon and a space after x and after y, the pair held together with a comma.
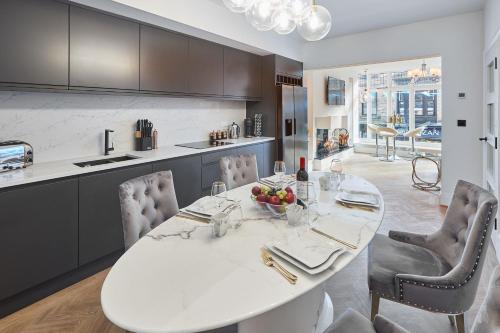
x: 164, y: 61
x: 288, y: 67
x: 242, y: 74
x: 34, y: 42
x: 206, y: 68
x: 104, y: 51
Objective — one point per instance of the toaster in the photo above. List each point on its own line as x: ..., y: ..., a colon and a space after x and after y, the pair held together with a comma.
x: 15, y: 155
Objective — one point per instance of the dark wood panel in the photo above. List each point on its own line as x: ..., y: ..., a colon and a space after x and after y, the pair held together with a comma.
x: 206, y: 67
x: 104, y: 51
x: 288, y: 66
x: 242, y: 73
x: 164, y: 61
x: 100, y: 221
x: 38, y: 234
x: 187, y: 177
x: 34, y: 42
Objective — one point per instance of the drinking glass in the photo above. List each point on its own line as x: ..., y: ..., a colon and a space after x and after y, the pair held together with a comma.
x: 219, y: 193
x: 336, y: 166
x: 279, y: 170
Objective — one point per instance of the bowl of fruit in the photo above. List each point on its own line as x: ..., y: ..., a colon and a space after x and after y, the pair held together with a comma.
x: 273, y: 199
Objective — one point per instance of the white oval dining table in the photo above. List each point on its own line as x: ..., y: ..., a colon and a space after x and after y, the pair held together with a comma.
x: 183, y: 279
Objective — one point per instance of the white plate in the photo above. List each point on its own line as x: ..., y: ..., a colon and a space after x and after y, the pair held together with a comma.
x: 365, y: 199
x: 329, y: 263
x: 310, y: 250
x: 206, y: 207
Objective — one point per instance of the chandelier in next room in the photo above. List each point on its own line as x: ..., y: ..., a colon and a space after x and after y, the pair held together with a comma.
x: 313, y: 22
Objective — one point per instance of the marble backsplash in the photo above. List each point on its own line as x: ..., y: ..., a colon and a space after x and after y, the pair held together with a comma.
x: 63, y: 126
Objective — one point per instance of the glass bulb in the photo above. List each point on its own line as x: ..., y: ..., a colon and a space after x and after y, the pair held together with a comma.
x: 299, y: 9
x: 284, y: 21
x: 238, y: 6
x: 261, y: 14
x: 316, y: 25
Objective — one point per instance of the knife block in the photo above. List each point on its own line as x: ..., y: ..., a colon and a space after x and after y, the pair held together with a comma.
x: 143, y: 144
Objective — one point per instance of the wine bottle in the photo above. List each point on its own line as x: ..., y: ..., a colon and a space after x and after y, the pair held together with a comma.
x: 302, y: 181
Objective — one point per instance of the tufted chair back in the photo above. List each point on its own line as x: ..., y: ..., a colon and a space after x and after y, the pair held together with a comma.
x: 239, y: 170
x: 488, y: 317
x: 461, y: 243
x: 146, y: 202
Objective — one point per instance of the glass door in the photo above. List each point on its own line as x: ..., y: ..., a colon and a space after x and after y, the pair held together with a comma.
x: 491, y: 128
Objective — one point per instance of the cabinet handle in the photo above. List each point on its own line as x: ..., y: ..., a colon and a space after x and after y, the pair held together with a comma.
x: 484, y: 139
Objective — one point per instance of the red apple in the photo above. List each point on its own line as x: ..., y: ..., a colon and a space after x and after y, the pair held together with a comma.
x: 290, y: 197
x: 256, y: 190
x: 261, y: 198
x: 274, y: 200
x: 288, y: 189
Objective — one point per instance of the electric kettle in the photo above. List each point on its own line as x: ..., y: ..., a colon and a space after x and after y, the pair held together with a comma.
x: 234, y: 131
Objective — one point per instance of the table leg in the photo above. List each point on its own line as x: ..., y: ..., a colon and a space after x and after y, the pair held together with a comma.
x: 310, y: 313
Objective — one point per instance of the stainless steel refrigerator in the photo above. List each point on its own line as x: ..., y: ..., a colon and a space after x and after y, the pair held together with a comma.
x: 292, y: 125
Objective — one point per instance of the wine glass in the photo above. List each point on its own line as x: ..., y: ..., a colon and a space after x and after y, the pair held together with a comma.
x: 336, y: 169
x: 336, y: 166
x: 279, y: 170
x: 219, y: 192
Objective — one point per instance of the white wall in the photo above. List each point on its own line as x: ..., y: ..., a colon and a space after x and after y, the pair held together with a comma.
x: 459, y: 41
x: 62, y: 126
x: 207, y: 19
x: 491, y: 20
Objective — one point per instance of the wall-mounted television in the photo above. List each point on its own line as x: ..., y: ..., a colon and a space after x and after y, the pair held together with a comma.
x: 335, y: 91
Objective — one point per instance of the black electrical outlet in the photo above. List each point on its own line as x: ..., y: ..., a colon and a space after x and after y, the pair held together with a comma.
x: 461, y: 95
x: 461, y: 123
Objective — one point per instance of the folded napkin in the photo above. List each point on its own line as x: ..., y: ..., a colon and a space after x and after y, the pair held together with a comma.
x: 275, y: 180
x: 206, y: 207
x: 349, y: 232
x: 357, y: 185
x: 358, y: 198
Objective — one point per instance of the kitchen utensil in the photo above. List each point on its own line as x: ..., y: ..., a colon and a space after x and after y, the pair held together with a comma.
x: 15, y: 155
x: 234, y: 131
x: 269, y: 261
x: 248, y: 127
x: 352, y: 206
x: 354, y: 247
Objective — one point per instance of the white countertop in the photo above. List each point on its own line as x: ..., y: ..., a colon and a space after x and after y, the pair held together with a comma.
x: 66, y: 168
x: 195, y: 282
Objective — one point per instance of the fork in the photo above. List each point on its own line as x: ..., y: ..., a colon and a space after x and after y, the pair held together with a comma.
x: 269, y: 261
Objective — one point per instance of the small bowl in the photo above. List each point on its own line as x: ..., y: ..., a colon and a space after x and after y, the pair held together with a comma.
x: 277, y: 210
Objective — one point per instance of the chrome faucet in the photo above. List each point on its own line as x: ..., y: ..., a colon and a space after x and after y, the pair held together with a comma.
x: 107, y: 148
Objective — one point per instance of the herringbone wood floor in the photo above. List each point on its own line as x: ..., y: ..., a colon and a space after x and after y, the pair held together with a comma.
x: 77, y: 308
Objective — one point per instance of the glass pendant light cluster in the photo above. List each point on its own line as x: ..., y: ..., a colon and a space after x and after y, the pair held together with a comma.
x: 313, y: 22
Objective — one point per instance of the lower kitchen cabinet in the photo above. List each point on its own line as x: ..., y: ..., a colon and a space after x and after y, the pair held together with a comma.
x: 187, y: 177
x: 100, y: 220
x: 268, y: 158
x: 38, y: 234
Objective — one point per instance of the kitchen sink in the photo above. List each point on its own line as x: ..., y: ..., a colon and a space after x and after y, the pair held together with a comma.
x: 106, y: 161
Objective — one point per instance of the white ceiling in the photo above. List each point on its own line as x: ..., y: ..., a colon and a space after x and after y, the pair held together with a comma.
x: 353, y: 16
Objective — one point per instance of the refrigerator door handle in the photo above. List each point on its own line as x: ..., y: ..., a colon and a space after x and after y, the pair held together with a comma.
x: 294, y: 126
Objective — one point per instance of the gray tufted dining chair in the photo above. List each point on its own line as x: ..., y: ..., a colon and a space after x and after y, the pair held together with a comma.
x: 146, y: 202
x: 353, y: 322
x: 488, y: 317
x: 438, y: 272
x: 239, y: 170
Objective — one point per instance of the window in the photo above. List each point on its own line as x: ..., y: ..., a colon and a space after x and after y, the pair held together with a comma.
x: 402, y: 102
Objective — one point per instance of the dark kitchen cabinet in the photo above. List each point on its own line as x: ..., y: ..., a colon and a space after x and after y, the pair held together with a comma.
x: 104, y: 51
x: 288, y: 67
x: 268, y: 158
x: 256, y: 150
x: 38, y: 234
x: 187, y: 177
x: 206, y: 68
x: 164, y: 61
x: 34, y: 42
x: 242, y: 73
x: 100, y: 220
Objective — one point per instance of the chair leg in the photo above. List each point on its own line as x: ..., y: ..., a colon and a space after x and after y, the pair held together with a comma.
x: 459, y: 319
x: 375, y: 305
x: 452, y: 320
